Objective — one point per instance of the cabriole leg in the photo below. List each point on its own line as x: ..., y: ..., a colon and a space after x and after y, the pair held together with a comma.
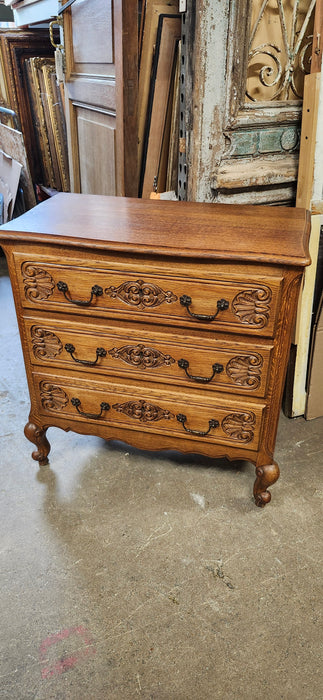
x: 266, y: 476
x: 37, y: 435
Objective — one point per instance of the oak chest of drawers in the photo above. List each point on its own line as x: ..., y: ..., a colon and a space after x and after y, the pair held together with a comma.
x: 163, y: 324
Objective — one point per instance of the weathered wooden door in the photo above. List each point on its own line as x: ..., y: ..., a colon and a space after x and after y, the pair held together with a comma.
x: 243, y: 121
x: 100, y: 39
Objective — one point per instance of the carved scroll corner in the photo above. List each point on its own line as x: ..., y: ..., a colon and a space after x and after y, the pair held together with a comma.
x: 245, y: 370
x: 252, y: 306
x: 239, y: 426
x: 52, y: 396
x: 38, y: 283
x: 45, y: 344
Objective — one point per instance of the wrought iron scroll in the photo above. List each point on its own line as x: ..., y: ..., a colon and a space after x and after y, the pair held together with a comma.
x: 278, y: 65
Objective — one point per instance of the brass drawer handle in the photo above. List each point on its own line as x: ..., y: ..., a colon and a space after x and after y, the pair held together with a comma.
x: 212, y: 424
x: 96, y: 291
x: 100, y: 352
x: 217, y: 369
x: 222, y: 305
x: 95, y: 416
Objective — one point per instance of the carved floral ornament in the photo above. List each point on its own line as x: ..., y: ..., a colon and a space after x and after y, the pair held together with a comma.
x: 140, y: 294
x: 141, y: 356
x: 143, y: 411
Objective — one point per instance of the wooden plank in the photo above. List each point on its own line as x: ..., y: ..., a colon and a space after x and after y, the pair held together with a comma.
x: 275, y: 169
x: 304, y: 322
x: 308, y: 140
x: 316, y: 60
x: 309, y: 187
x: 169, y: 32
x: 153, y: 10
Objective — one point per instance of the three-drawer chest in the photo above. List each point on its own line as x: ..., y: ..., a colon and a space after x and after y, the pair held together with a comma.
x: 166, y: 325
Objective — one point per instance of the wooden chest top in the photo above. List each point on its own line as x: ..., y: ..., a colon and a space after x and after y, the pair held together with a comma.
x: 272, y: 235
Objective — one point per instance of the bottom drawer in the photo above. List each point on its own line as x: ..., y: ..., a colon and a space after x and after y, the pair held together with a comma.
x: 198, y: 416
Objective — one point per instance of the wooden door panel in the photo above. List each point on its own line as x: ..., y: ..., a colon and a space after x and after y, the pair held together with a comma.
x: 101, y: 92
x: 92, y: 43
x: 96, y: 139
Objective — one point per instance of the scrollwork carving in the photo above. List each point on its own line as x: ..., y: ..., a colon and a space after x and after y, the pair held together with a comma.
x: 253, y: 306
x: 143, y: 411
x: 141, y: 356
x: 245, y: 370
x: 45, y: 344
x: 239, y: 426
x: 38, y: 283
x: 141, y: 294
x: 53, y: 398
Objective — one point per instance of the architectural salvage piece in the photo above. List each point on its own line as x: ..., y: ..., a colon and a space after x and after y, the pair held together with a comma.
x: 246, y: 61
x: 279, y: 51
x: 200, y: 317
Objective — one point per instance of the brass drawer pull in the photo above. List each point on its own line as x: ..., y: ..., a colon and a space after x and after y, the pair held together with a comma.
x: 95, y: 416
x: 217, y: 369
x: 212, y: 424
x: 96, y: 291
x: 100, y: 352
x: 222, y: 305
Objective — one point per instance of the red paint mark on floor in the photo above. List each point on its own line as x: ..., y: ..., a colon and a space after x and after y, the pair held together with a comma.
x: 78, y: 636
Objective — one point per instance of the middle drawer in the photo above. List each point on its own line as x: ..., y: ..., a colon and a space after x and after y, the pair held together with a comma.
x: 216, y: 363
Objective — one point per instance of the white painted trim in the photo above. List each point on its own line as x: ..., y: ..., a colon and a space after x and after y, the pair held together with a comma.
x: 304, y: 322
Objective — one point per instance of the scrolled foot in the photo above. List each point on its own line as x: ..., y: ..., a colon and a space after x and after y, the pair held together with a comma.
x: 37, y: 435
x: 266, y: 476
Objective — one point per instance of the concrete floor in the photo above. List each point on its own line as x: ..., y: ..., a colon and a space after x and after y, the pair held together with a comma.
x: 127, y: 574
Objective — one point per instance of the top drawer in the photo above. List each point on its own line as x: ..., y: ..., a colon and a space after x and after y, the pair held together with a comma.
x: 226, y: 302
